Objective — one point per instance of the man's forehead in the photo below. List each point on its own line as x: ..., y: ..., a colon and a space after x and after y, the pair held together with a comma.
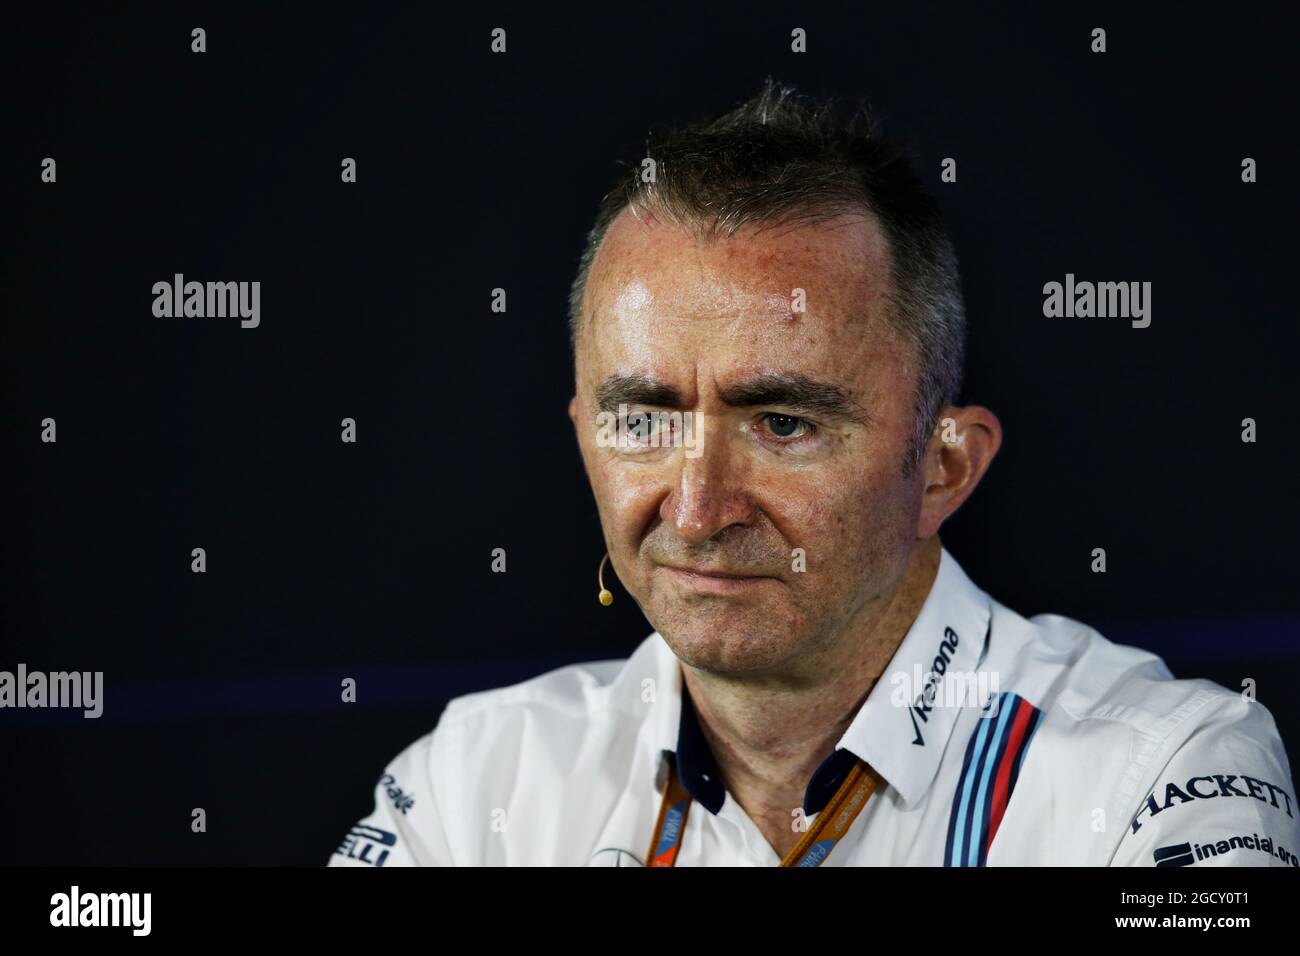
x: 649, y: 270
x: 807, y: 299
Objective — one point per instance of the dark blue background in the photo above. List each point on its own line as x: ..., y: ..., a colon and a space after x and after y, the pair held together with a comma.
x: 372, y: 560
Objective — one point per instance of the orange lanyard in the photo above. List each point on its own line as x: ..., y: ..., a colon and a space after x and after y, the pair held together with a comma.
x: 831, y: 825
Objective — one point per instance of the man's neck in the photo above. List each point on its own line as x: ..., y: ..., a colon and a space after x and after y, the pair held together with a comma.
x: 768, y: 737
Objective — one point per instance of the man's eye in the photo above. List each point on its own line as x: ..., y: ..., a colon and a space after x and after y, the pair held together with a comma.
x: 786, y: 426
x: 641, y: 426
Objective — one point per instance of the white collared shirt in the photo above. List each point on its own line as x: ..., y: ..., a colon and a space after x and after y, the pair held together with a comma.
x: 999, y: 741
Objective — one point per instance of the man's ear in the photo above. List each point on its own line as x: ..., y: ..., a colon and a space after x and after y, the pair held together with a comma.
x: 573, y: 410
x: 956, y: 458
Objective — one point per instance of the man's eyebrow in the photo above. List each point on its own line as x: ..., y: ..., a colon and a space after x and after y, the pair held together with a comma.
x: 795, y: 391
x: 788, y: 390
x: 635, y: 390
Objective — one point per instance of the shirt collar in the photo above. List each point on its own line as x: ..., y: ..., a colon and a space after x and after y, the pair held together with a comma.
x: 676, y: 734
x: 899, y: 730
x: 902, y: 730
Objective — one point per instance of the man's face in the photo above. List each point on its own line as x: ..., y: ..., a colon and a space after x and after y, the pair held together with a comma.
x: 801, y: 423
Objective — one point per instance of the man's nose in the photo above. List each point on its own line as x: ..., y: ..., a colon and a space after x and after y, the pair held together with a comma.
x: 708, y: 492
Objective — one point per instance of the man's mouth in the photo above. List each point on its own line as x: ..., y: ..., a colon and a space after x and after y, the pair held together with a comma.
x: 712, y: 581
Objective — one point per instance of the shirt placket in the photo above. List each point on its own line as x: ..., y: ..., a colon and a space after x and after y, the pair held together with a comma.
x: 757, y: 849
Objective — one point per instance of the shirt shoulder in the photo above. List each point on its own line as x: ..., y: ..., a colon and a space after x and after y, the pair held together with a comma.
x: 497, y: 754
x: 1119, y: 730
x: 404, y: 827
x: 1064, y: 666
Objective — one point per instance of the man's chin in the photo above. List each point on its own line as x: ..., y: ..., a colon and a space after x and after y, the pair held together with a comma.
x: 728, y: 640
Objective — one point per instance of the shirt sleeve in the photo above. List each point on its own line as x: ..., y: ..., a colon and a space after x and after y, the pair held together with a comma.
x: 405, y: 828
x: 1225, y: 798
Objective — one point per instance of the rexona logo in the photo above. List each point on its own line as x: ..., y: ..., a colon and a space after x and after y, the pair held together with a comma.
x: 1209, y: 787
x: 924, y: 703
x: 1185, y: 854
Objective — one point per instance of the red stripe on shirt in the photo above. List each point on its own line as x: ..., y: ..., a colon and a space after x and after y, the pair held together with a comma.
x: 1024, y: 710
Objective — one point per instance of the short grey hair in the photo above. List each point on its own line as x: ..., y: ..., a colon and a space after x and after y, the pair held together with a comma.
x: 780, y: 158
